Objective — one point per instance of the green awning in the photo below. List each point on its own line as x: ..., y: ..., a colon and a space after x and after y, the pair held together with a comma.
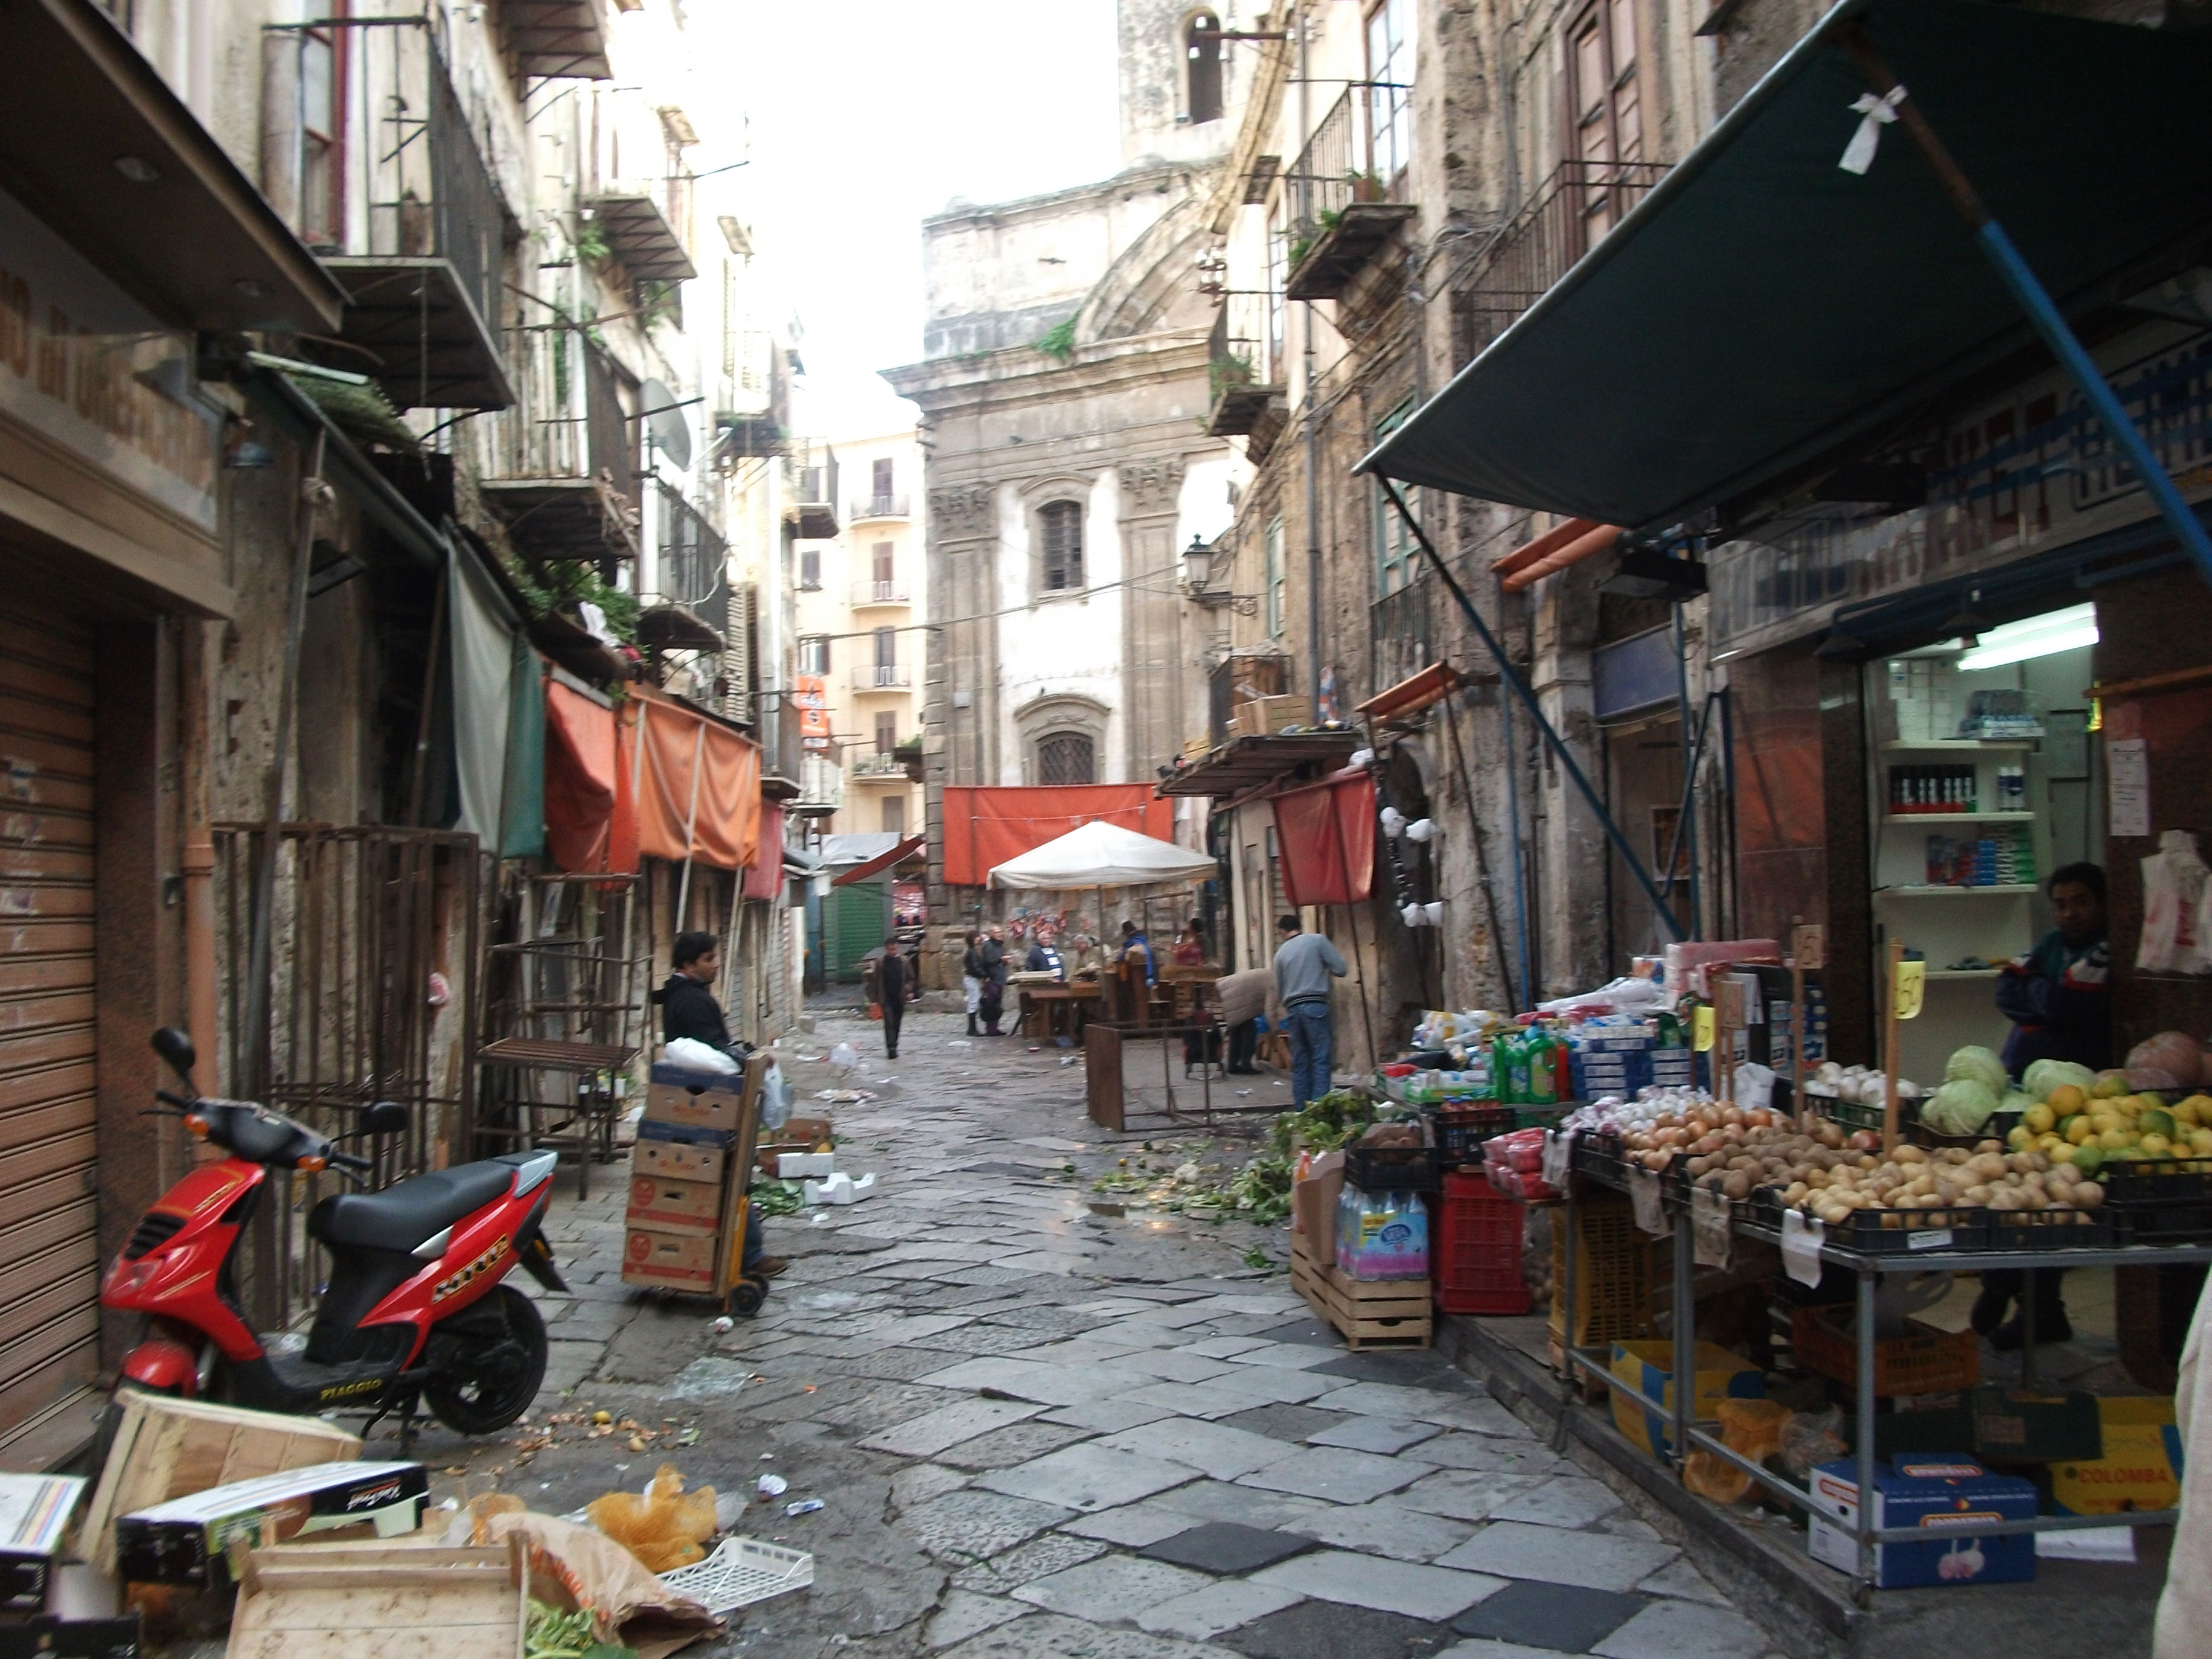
x: 1761, y: 308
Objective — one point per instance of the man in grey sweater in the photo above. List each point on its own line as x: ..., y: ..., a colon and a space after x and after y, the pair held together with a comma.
x: 1305, y: 964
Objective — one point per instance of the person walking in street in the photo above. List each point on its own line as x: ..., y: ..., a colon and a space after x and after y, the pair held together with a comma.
x: 1305, y: 964
x: 2061, y: 1007
x: 971, y: 978
x: 990, y: 954
x: 687, y: 1009
x: 890, y: 994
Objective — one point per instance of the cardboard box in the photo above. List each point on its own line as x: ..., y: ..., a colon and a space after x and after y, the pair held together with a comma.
x: 660, y: 1205
x: 1313, y: 1207
x: 166, y: 1448
x: 186, y: 1540
x: 1258, y: 717
x: 2143, y: 1452
x: 1929, y: 1490
x: 415, y: 1603
x: 673, y: 1261
x: 684, y: 1135
x: 698, y: 1100
x: 35, y: 1511
x: 677, y: 1160
x: 794, y: 1166
x: 815, y: 1132
x: 1649, y: 1366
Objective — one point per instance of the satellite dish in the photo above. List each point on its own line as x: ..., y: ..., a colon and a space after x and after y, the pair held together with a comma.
x: 664, y: 423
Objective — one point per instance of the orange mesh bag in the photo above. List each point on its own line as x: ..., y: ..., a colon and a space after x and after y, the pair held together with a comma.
x: 666, y: 1527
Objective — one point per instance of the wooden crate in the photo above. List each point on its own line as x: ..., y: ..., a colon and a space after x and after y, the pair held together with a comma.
x: 1384, y: 1313
x: 166, y: 1448
x: 381, y: 1601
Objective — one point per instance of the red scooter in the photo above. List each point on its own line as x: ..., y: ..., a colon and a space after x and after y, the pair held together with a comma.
x: 414, y: 1312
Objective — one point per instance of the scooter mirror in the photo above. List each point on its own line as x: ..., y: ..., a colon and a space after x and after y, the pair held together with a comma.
x: 384, y: 1117
x: 176, y: 1047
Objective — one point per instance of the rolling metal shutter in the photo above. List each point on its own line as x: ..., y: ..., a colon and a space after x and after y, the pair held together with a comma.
x: 49, y: 1245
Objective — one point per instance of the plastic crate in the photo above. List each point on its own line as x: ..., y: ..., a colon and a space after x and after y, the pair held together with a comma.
x: 1600, y: 1158
x: 2155, y: 1203
x: 1925, y: 1361
x: 2051, y: 1229
x: 1391, y: 1169
x: 1612, y: 1273
x: 1460, y: 1130
x: 1900, y: 1232
x: 1475, y: 1254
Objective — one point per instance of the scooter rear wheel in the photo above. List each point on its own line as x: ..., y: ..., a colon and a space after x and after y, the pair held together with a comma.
x: 490, y: 1381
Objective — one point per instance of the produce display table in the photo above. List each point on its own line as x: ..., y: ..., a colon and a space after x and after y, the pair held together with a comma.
x: 1051, y: 1010
x: 1867, y: 1268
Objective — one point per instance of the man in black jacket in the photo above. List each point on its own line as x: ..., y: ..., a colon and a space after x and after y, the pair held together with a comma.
x: 687, y: 1009
x: 991, y: 953
x: 890, y: 994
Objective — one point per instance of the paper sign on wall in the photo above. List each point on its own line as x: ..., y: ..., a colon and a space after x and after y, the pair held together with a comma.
x: 1701, y: 1030
x: 2127, y: 768
x: 1912, y: 988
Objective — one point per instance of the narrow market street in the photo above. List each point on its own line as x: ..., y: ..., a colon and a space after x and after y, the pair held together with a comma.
x: 1038, y: 1431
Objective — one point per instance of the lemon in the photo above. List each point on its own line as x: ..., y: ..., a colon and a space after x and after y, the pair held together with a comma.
x: 2088, y: 1159
x: 2019, y: 1139
x: 2079, y: 1129
x: 2160, y: 1123
x: 2200, y: 1142
x: 2038, y: 1118
x: 2065, y: 1100
x: 2113, y: 1140
x: 2108, y: 1088
x: 2156, y: 1146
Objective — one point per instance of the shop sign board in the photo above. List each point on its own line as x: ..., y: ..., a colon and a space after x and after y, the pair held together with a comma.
x: 2024, y: 473
x: 91, y: 371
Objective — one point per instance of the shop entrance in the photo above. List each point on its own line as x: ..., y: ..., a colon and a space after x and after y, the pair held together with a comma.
x: 1980, y: 784
x: 49, y: 1239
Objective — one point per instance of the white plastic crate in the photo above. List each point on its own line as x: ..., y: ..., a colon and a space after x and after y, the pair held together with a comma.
x: 740, y: 1572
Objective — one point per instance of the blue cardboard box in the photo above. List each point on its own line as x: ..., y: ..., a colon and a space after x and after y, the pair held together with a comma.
x: 1932, y: 1490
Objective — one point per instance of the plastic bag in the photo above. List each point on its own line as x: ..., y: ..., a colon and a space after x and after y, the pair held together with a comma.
x: 2175, y: 894
x: 1752, y: 1429
x: 693, y: 1055
x: 1809, y: 1440
x: 666, y: 1527
x: 774, y: 1099
x: 842, y: 1056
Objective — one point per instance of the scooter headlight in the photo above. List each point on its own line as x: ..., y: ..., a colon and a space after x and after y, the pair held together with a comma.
x: 129, y: 1278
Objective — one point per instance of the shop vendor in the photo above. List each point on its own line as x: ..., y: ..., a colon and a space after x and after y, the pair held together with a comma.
x: 2059, y: 1002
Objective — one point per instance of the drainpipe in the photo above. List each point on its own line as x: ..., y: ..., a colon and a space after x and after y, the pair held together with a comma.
x: 197, y: 866
x: 1312, y: 456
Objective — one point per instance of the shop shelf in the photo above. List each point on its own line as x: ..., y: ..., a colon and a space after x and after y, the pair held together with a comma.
x: 1931, y: 889
x: 1920, y: 820
x: 1460, y: 1129
x: 1475, y: 1255
x: 1955, y: 745
x: 1600, y: 1158
x: 2156, y: 1203
x: 2051, y: 1229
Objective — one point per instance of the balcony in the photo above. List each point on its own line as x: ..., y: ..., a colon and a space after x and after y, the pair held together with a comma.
x: 886, y: 768
x: 751, y: 437
x: 423, y: 297
x: 558, y: 39
x: 1342, y: 190
x: 882, y: 677
x: 639, y: 231
x: 557, y: 468
x: 1244, y: 375
x: 876, y: 507
x: 1568, y: 216
x: 689, y: 607
x: 866, y: 595
x: 820, y: 784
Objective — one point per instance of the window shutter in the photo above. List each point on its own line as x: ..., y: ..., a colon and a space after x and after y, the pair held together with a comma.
x: 738, y: 656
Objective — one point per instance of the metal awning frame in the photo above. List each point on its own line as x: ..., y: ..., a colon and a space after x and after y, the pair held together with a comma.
x: 1526, y: 696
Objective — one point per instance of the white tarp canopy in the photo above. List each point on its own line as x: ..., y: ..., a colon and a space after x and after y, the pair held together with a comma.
x: 1102, y: 854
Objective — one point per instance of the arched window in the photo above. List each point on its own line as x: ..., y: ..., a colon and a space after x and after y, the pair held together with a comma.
x: 1066, y: 757
x: 1202, y: 68
x: 1060, y: 525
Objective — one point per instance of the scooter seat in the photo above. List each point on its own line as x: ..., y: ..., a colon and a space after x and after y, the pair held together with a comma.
x: 403, y: 1215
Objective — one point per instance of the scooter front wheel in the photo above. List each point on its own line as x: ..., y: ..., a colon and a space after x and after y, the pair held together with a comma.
x: 495, y: 1367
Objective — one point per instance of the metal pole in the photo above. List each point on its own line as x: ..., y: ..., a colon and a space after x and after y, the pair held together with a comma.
x: 1685, y: 1338
x: 1519, y: 688
x: 259, y: 943
x: 1312, y: 455
x: 1520, y: 862
x: 2042, y: 312
x: 1864, y: 1371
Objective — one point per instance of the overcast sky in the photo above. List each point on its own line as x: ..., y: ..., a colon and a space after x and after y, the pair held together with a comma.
x: 867, y: 116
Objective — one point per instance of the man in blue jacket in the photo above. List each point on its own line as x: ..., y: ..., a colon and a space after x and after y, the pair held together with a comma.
x: 2058, y: 998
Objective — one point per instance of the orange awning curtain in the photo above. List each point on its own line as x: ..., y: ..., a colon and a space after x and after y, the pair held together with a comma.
x: 582, y: 778
x: 1325, y: 834
x: 985, y: 827
x: 692, y: 770
x: 764, y: 876
x: 1555, y: 549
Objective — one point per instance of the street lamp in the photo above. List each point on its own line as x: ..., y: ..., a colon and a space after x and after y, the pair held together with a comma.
x: 1197, y: 565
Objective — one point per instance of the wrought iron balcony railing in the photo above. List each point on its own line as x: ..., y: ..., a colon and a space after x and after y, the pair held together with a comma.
x: 1569, y: 215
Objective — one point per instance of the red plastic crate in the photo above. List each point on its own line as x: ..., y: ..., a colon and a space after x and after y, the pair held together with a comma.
x: 1475, y: 1249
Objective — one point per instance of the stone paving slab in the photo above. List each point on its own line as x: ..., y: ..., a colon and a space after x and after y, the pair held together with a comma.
x: 1089, y: 1478
x: 1219, y: 1607
x: 1339, y: 1476
x: 1384, y: 1528
x: 1112, y: 1590
x: 1214, y: 1448
x: 1433, y: 1594
x: 928, y: 1435
x: 1594, y: 1560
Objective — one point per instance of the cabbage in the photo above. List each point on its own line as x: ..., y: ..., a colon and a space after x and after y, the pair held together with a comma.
x: 1961, y: 1106
x: 2015, y: 1100
x: 1979, y: 1065
x: 2046, y: 1075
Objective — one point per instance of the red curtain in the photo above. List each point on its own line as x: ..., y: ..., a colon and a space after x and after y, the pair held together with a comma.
x: 764, y: 875
x: 1325, y: 834
x: 580, y: 779
x: 721, y: 803
x: 985, y: 827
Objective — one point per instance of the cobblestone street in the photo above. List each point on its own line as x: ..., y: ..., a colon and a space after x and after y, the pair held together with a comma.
x: 1039, y: 1431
